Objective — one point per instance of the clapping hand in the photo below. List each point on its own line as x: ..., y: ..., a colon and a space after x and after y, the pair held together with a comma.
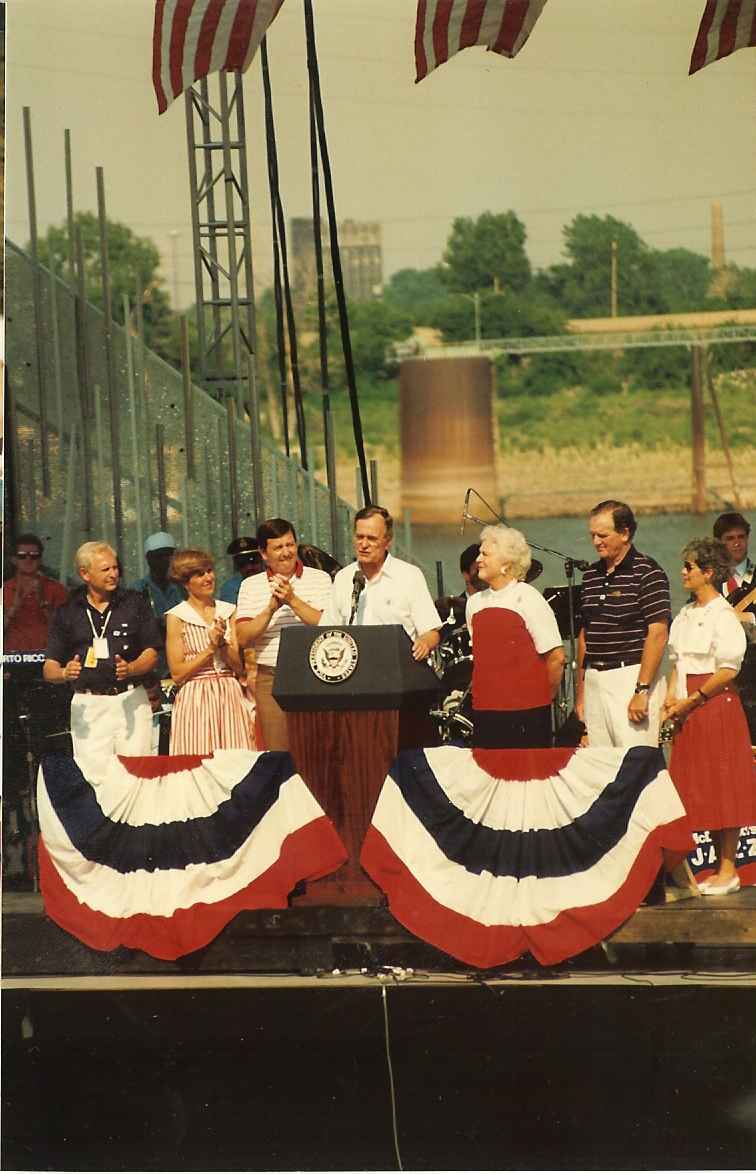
x: 282, y: 589
x: 218, y: 633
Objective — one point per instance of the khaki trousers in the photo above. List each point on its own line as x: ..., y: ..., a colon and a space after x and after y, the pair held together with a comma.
x: 270, y: 716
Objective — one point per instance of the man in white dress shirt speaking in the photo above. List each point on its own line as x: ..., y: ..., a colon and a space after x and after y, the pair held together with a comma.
x: 381, y: 589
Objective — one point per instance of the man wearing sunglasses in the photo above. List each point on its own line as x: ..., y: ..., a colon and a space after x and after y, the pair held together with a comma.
x: 29, y: 598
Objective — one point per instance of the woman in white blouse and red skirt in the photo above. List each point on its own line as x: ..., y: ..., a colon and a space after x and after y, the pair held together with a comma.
x: 712, y: 762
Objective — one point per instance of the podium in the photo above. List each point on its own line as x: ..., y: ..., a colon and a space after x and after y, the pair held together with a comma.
x: 353, y: 698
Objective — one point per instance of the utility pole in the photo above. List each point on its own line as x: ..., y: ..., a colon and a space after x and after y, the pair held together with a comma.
x: 476, y: 301
x: 174, y: 235
x: 614, y: 279
x: 698, y: 439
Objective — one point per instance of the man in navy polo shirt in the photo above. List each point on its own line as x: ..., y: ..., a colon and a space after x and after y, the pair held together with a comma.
x: 626, y: 616
x: 102, y: 643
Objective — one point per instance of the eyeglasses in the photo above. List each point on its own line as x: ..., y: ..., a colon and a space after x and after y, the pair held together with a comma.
x: 26, y: 554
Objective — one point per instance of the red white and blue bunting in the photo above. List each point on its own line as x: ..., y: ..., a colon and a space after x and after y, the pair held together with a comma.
x: 489, y: 854
x: 160, y: 853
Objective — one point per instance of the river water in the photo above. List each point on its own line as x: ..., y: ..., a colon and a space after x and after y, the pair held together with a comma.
x: 660, y: 535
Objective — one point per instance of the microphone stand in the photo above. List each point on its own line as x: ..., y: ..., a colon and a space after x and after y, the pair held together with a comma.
x: 567, y: 689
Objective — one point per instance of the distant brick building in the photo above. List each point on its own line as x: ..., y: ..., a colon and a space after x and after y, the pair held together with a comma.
x: 360, y: 242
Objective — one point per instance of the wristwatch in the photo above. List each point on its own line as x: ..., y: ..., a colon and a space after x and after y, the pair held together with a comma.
x: 641, y: 688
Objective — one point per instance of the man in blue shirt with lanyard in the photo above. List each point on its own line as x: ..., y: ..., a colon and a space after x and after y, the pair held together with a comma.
x: 102, y: 643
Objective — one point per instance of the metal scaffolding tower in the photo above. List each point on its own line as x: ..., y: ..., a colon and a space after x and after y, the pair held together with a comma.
x: 221, y: 231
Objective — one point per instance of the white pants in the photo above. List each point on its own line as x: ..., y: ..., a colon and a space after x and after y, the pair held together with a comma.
x: 607, y: 696
x: 103, y: 725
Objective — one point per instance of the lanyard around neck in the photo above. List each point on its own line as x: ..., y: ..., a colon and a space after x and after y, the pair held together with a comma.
x: 104, y: 626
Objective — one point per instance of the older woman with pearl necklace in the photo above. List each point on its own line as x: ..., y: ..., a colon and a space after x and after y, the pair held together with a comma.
x: 711, y: 763
x: 518, y: 655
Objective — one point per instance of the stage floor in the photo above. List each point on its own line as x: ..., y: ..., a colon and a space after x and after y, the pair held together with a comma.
x: 281, y: 947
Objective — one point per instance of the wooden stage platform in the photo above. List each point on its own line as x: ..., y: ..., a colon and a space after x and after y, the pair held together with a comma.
x: 317, y: 939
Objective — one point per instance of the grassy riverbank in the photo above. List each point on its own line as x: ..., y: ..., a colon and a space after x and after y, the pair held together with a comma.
x: 558, y: 451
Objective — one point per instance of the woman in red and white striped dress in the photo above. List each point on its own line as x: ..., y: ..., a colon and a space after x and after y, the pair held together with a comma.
x: 209, y: 712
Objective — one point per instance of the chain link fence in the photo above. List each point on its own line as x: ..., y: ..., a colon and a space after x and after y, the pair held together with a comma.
x: 181, y: 461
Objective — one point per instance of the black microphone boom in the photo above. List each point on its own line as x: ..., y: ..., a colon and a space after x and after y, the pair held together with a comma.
x: 359, y: 586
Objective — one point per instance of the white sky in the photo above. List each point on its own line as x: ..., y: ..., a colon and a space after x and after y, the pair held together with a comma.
x: 597, y: 114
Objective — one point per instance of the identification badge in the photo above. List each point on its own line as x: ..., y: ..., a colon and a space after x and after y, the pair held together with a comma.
x: 90, y: 660
x: 100, y: 646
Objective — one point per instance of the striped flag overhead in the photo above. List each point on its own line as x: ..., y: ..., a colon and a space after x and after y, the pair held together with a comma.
x: 193, y: 38
x: 726, y: 25
x: 445, y: 26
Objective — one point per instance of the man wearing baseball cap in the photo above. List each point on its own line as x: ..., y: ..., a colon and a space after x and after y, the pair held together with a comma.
x: 247, y: 561
x: 156, y: 588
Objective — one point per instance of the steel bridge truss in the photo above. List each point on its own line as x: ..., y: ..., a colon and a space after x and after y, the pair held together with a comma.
x: 222, y: 237
x: 611, y: 341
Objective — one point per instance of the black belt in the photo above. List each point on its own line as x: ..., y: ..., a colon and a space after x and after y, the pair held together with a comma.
x: 602, y: 665
x: 111, y: 691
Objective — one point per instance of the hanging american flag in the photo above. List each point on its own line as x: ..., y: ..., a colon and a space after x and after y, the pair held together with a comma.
x: 445, y: 26
x: 193, y: 38
x: 726, y: 25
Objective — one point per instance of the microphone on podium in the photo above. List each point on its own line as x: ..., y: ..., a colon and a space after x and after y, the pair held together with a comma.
x: 359, y: 586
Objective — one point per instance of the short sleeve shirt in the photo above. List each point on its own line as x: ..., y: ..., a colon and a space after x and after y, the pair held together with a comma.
x: 310, y: 584
x: 28, y: 629
x: 162, y: 598
x: 529, y: 604
x: 129, y: 626
x: 704, y: 639
x: 398, y: 594
x: 618, y: 607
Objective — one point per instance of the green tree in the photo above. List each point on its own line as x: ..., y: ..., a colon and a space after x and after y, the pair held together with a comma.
x: 416, y: 291
x: 582, y: 285
x: 131, y: 258
x: 503, y: 315
x: 374, y: 327
x: 683, y: 278
x: 487, y: 253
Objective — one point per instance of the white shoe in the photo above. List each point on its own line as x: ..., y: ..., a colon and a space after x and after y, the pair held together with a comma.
x: 724, y: 890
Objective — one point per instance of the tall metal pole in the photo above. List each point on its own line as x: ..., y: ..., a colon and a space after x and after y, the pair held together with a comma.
x: 162, y: 491
x: 113, y: 405
x: 722, y: 430
x: 255, y: 441
x: 330, y: 461
x: 698, y: 440
x: 39, y: 327
x: 57, y: 373
x: 143, y: 403
x: 186, y: 379
x: 614, y: 290
x: 135, y: 454
x: 233, y: 467
x: 82, y: 377
x: 69, y: 209
x: 233, y: 268
x: 338, y: 276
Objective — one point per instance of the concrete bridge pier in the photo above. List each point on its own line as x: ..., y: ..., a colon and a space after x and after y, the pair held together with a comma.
x: 448, y: 436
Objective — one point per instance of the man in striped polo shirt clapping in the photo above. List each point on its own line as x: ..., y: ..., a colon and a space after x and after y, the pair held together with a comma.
x: 626, y: 616
x: 289, y: 593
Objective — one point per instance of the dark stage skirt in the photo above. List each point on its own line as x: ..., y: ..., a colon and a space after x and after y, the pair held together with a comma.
x: 160, y: 853
x: 488, y: 853
x: 712, y: 763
